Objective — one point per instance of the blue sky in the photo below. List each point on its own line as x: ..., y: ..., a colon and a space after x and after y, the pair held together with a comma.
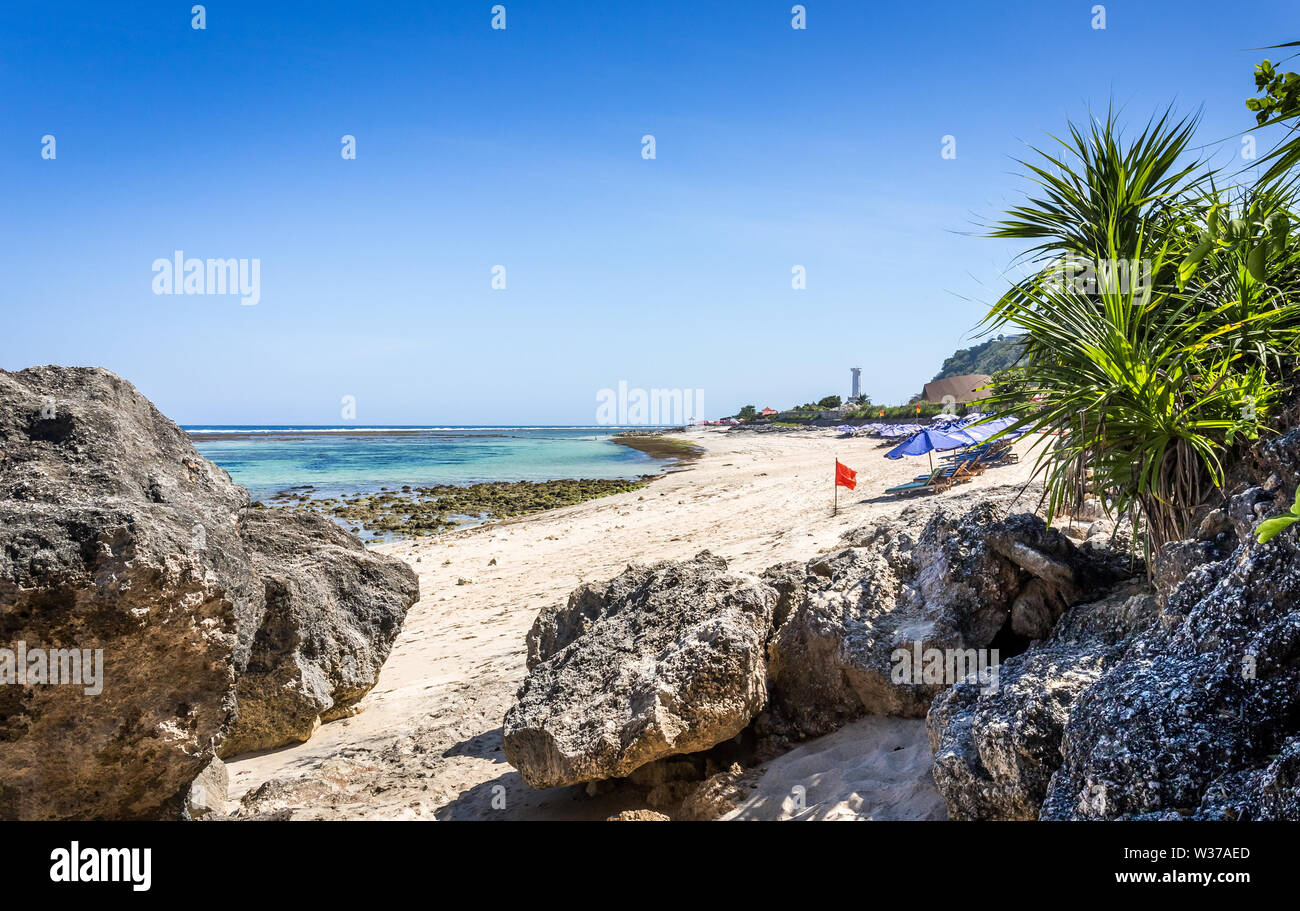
x: 478, y: 147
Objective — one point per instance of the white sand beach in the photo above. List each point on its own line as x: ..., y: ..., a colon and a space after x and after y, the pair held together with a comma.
x: 426, y: 743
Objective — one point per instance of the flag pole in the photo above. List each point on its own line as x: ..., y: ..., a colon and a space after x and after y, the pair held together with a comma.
x: 835, y: 482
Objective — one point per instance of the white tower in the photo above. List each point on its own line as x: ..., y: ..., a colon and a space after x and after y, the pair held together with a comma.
x: 857, y: 384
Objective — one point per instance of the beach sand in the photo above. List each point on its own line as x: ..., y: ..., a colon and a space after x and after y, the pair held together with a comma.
x: 427, y: 741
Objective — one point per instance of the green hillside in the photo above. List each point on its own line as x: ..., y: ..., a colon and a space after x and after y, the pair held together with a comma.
x: 988, y: 357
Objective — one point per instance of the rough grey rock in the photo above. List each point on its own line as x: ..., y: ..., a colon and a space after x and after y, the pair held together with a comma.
x: 953, y: 587
x: 996, y: 747
x: 1247, y: 508
x: 1209, y: 694
x: 662, y: 660
x: 116, y: 535
x: 1268, y: 793
x: 1036, y: 609
x: 333, y: 610
x: 1176, y: 560
x: 1280, y: 456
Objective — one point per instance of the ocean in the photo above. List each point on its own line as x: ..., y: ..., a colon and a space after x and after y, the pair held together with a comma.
x: 338, y: 461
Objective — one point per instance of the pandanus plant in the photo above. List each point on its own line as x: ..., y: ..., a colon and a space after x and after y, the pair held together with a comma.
x: 1141, y: 387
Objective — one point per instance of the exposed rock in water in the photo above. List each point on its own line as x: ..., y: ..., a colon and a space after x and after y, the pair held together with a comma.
x: 115, y: 535
x: 662, y: 660
x: 996, y: 747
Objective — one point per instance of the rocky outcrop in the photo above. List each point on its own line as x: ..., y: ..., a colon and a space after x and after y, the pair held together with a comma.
x: 663, y: 660
x: 969, y: 578
x: 1268, y: 793
x: 1200, y: 712
x: 1182, y: 703
x: 996, y: 748
x: 677, y: 658
x: 121, y: 545
x: 332, y: 613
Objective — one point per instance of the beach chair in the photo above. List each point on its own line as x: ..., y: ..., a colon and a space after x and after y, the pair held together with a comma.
x: 967, y: 464
x: 956, y: 473
x: 936, y: 482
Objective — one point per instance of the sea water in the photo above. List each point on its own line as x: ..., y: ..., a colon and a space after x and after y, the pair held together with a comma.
x: 337, y: 461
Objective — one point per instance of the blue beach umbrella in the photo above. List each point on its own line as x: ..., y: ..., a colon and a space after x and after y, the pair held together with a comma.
x: 929, y: 440
x: 981, y: 432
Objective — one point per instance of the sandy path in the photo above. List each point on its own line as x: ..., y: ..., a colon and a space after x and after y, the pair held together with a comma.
x: 427, y: 740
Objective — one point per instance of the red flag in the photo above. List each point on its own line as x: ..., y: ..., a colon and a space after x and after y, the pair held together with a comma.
x: 845, y: 476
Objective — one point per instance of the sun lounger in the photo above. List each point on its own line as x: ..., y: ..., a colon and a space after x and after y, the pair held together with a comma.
x: 936, y: 482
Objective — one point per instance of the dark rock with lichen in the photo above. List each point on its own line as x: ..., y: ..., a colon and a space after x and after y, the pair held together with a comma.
x: 997, y: 747
x: 1181, y: 705
x: 1204, y: 703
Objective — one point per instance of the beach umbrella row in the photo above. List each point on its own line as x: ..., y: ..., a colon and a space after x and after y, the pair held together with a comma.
x: 933, y: 439
x: 929, y: 440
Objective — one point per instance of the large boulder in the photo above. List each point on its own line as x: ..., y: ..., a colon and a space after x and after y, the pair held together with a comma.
x: 1202, y: 709
x: 123, y: 546
x: 663, y: 660
x: 997, y: 747
x: 856, y: 619
x: 1180, y: 703
x: 333, y: 610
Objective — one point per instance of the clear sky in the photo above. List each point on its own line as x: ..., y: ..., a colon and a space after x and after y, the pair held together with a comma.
x: 522, y: 147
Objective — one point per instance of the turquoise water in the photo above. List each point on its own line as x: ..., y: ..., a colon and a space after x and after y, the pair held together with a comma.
x: 340, y: 461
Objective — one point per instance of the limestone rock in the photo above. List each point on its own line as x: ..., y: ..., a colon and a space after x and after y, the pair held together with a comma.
x: 967, y: 577
x: 119, y: 541
x: 207, y: 793
x: 717, y: 795
x: 333, y: 610
x: 662, y: 660
x: 639, y: 816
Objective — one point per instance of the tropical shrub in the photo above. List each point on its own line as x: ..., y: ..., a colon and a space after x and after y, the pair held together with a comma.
x: 1155, y: 328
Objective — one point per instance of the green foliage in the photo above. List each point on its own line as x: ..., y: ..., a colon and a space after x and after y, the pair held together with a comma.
x: 748, y: 413
x: 895, y: 412
x: 990, y: 357
x: 1145, y: 384
x: 1269, y: 529
x: 1279, y: 102
x: 831, y: 401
